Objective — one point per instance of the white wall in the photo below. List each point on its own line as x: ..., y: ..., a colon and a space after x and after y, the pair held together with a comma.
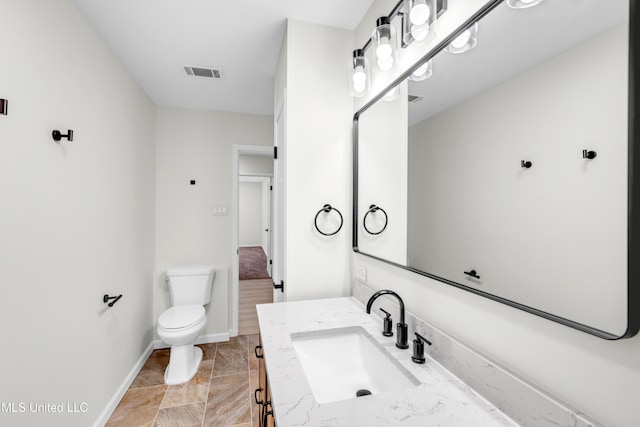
x: 197, y: 145
x: 471, y: 203
x: 318, y: 135
x: 76, y: 218
x: 600, y: 378
x: 250, y: 214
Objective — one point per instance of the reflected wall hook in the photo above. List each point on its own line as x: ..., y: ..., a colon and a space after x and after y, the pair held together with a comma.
x: 526, y: 164
x: 106, y: 299
x: 589, y: 154
x: 57, y: 136
x: 472, y: 273
x: 374, y: 209
x: 326, y: 209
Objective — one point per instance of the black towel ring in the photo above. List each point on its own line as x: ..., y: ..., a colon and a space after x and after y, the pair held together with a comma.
x: 326, y: 209
x: 374, y: 209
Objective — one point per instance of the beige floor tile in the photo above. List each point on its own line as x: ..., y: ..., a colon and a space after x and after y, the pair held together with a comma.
x: 254, y: 384
x: 228, y: 402
x: 231, y: 359
x: 152, y: 373
x: 208, y: 351
x: 181, y: 416
x: 196, y: 390
x: 138, y: 407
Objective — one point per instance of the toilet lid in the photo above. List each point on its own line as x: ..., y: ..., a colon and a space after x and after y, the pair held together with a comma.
x: 181, y: 316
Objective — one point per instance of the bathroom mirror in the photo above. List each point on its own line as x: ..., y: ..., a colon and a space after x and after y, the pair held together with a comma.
x: 509, y: 172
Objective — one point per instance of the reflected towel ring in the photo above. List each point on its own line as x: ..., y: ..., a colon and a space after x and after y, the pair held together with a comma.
x: 326, y: 209
x: 373, y: 209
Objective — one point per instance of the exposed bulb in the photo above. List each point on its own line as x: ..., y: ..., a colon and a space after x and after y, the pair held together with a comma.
x: 422, y: 71
x: 522, y: 4
x: 359, y: 79
x: 462, y: 39
x: 385, y: 64
x: 419, y: 32
x: 420, y: 14
x: 384, y: 50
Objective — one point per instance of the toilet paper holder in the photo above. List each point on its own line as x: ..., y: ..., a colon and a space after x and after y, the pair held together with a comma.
x: 106, y: 298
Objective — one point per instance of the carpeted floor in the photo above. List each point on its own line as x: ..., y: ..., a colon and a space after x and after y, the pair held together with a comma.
x: 252, y: 263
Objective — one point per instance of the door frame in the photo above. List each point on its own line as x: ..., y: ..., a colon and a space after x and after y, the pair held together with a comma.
x: 234, y: 291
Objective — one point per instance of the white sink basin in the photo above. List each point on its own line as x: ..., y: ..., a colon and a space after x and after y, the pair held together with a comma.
x: 340, y: 362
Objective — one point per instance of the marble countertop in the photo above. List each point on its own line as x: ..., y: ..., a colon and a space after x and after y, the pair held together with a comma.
x: 441, y: 399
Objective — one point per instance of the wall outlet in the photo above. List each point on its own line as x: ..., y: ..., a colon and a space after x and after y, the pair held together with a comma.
x: 361, y: 273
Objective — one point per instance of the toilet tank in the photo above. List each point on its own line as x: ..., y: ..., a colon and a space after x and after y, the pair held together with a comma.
x: 190, y: 286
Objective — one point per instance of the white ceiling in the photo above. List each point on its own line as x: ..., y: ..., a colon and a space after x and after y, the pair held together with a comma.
x: 153, y: 38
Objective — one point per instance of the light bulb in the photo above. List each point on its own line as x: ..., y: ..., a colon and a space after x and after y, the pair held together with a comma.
x: 419, y: 14
x: 359, y: 79
x: 359, y: 75
x: 420, y: 71
x: 385, y: 64
x: 384, y: 50
x: 462, y: 39
x: 522, y: 4
x: 419, y: 32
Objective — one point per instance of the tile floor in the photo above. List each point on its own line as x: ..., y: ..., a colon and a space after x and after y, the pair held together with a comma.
x: 221, y: 393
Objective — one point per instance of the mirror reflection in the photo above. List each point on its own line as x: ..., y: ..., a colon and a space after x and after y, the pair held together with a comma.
x: 502, y: 169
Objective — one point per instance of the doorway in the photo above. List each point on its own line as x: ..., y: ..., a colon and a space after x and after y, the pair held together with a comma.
x: 252, y: 236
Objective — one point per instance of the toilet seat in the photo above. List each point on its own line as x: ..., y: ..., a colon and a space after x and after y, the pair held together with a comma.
x: 181, y: 317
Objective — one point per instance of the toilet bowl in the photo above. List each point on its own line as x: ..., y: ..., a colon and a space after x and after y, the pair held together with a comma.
x: 180, y: 325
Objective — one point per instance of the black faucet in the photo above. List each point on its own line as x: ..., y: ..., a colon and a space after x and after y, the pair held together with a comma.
x: 401, y: 340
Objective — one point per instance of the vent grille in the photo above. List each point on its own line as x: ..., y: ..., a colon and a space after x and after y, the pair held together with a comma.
x: 414, y: 98
x: 212, y: 73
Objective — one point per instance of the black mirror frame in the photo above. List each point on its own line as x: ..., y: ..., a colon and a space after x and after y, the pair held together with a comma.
x: 633, y: 198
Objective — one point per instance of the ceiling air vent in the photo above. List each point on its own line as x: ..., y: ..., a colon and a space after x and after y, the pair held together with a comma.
x: 414, y: 98
x: 212, y: 73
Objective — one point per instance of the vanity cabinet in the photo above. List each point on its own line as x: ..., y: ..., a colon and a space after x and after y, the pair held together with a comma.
x: 263, y: 393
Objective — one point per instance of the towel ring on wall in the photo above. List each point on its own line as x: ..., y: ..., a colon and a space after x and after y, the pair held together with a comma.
x: 326, y: 209
x: 374, y: 209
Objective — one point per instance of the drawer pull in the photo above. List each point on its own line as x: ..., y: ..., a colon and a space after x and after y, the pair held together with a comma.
x: 255, y: 350
x: 255, y: 396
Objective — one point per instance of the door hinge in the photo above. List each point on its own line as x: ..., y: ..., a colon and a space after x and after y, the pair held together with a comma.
x: 270, y: 262
x: 275, y: 152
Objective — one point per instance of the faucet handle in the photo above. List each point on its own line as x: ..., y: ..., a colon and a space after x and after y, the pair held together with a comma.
x: 387, y: 330
x: 418, y: 348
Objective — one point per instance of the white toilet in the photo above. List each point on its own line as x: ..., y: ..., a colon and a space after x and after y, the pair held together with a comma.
x: 181, y: 324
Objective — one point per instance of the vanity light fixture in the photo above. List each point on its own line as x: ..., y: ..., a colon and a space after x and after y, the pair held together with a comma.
x: 466, y: 41
x: 359, y: 72
x: 522, y: 4
x: 418, y: 21
x: 423, y: 72
x: 385, y: 44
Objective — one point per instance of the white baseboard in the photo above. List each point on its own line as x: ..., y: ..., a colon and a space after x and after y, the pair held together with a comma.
x: 203, y: 339
x: 119, y: 394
